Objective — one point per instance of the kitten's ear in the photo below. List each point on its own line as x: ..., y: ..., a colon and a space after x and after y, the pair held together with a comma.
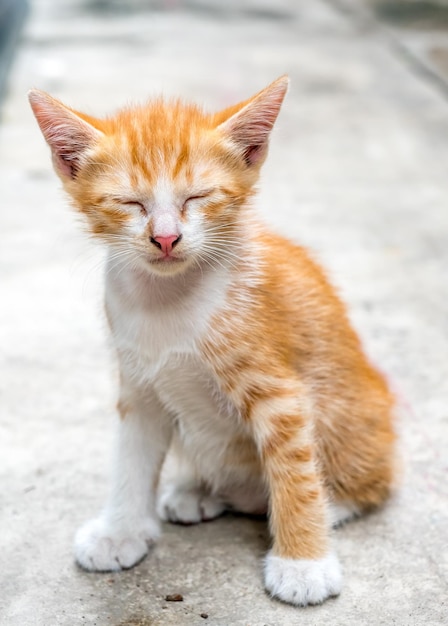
x: 66, y: 132
x: 250, y: 126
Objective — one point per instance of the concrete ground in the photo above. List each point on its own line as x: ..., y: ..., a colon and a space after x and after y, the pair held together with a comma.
x: 358, y: 171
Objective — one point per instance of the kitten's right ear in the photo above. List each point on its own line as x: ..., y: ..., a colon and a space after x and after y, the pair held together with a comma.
x: 250, y: 122
x: 68, y: 135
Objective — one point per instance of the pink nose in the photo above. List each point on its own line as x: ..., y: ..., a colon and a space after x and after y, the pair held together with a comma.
x: 166, y: 244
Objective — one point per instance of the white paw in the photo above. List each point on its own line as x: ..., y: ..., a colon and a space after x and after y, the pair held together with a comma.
x: 103, y: 547
x: 303, y: 581
x: 340, y: 514
x: 188, y: 507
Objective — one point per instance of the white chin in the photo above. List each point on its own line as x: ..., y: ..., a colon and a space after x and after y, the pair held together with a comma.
x: 167, y: 268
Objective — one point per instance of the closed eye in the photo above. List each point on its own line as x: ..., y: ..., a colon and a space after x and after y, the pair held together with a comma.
x: 136, y: 204
x: 198, y: 196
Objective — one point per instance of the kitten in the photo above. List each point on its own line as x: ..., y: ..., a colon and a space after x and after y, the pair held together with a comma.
x: 242, y: 383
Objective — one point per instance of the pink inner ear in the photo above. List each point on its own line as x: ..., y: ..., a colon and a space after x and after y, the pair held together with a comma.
x: 68, y: 144
x: 251, y: 126
x: 68, y: 135
x: 253, y: 154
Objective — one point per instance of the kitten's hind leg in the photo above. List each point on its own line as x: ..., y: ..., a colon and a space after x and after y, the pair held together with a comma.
x: 340, y: 513
x: 182, y: 497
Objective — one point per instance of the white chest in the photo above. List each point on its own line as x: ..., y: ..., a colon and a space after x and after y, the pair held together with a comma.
x: 156, y: 321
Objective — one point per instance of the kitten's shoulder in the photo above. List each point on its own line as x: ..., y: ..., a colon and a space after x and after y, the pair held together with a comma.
x: 281, y: 254
x: 292, y: 278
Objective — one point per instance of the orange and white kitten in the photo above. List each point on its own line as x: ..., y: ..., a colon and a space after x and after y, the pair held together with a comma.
x: 242, y: 383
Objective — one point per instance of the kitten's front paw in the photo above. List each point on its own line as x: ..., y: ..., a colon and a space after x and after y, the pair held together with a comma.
x: 303, y: 581
x: 103, y: 547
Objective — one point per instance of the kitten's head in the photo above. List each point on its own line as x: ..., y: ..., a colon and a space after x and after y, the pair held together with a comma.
x: 163, y: 183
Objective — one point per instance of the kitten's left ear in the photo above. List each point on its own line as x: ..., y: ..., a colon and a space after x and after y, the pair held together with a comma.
x: 68, y: 133
x: 249, y: 128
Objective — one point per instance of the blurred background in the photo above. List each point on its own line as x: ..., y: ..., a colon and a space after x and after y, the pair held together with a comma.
x: 357, y: 171
x: 419, y: 26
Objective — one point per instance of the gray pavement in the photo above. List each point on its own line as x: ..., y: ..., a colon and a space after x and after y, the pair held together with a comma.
x: 358, y: 171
